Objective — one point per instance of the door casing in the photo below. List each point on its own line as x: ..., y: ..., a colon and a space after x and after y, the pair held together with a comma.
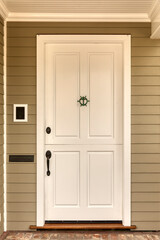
x: 125, y: 41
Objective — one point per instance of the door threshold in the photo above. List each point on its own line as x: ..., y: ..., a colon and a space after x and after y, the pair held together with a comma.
x: 82, y: 226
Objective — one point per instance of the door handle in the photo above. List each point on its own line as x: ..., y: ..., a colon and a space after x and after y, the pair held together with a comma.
x: 48, y: 156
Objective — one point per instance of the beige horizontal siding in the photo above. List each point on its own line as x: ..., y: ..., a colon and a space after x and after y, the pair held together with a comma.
x: 22, y: 197
x: 1, y: 128
x: 145, y: 100
x: 23, y: 139
x: 145, y: 51
x: 145, y: 148
x: 21, y: 188
x: 145, y: 197
x: 21, y: 90
x: 21, y: 81
x: 145, y: 81
x: 145, y: 134
x: 30, y: 32
x: 146, y: 139
x: 21, y: 99
x: 21, y: 178
x: 17, y: 225
x: 145, y: 187
x: 146, y: 110
x: 142, y: 216
x: 23, y: 148
x: 21, y: 207
x: 145, y: 42
x: 55, y: 25
x: 21, y: 168
x: 145, y: 225
x: 141, y: 177
x: 21, y: 217
x: 22, y: 42
x: 145, y: 207
x: 146, y: 168
x: 145, y: 117
x: 145, y: 61
x: 1, y: 109
x: 145, y: 90
x: 21, y: 61
x: 145, y: 129
x: 145, y: 158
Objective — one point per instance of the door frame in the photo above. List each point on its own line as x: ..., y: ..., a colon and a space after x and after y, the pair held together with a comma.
x: 125, y: 41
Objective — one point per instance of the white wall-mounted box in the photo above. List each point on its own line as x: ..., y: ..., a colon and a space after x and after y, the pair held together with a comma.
x: 20, y: 112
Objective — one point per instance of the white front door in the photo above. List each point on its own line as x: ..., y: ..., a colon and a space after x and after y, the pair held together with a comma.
x: 86, y: 142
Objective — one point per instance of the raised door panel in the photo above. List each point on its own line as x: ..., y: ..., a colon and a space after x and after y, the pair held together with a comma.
x: 104, y: 182
x: 101, y: 95
x: 85, y: 183
x: 66, y: 89
x: 100, y: 178
x: 66, y: 179
x: 61, y: 92
x: 63, y: 185
x: 104, y: 90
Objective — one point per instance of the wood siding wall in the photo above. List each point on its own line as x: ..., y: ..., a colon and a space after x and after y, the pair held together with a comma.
x: 21, y: 137
x: 1, y: 126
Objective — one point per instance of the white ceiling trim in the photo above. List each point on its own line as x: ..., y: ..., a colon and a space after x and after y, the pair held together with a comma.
x: 73, y: 17
x: 156, y: 33
x: 79, y: 17
x: 154, y: 10
x: 154, y: 15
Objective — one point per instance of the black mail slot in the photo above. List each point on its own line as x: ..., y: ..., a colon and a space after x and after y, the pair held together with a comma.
x: 21, y: 158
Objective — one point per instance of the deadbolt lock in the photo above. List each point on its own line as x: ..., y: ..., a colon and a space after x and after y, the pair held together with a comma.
x: 48, y: 130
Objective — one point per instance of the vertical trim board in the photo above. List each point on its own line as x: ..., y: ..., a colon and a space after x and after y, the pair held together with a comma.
x: 2, y: 146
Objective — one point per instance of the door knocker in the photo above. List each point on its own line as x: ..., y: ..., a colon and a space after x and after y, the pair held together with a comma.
x: 83, y: 101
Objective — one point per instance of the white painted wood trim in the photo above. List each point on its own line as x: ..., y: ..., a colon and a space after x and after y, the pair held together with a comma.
x: 78, y: 17
x: 154, y: 11
x: 156, y: 33
x: 40, y: 132
x: 154, y: 15
x: 5, y: 125
x: 127, y: 133
x: 125, y: 41
x: 3, y: 10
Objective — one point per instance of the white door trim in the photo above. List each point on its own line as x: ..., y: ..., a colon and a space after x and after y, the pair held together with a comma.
x: 126, y: 184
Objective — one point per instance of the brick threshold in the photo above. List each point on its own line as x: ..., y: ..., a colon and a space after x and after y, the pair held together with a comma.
x: 82, y: 226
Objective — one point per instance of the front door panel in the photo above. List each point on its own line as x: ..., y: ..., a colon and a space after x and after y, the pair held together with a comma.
x: 85, y: 141
x: 85, y: 183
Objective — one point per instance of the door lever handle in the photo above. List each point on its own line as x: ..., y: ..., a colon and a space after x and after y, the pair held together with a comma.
x: 48, y: 156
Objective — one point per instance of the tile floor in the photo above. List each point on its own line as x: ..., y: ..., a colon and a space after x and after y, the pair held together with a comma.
x: 87, y: 235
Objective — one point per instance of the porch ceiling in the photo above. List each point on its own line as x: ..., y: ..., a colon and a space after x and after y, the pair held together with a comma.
x: 80, y: 10
x: 79, y: 6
